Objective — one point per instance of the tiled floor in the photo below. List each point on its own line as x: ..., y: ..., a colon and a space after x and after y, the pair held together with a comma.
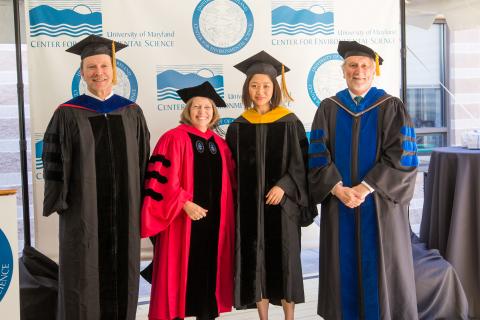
x: 303, y: 311
x: 310, y: 255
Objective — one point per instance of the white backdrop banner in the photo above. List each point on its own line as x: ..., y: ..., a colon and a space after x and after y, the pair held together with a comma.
x: 175, y: 44
x: 9, y: 280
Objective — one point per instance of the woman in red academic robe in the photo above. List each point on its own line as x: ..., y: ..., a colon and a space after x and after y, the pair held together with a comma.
x: 188, y: 207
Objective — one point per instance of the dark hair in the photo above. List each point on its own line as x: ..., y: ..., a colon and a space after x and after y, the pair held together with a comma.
x: 276, y: 97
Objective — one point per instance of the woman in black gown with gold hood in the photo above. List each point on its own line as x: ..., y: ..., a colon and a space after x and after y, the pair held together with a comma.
x: 270, y: 147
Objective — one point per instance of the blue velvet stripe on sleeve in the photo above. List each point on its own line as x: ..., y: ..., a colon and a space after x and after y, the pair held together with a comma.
x: 409, y: 161
x: 317, y: 134
x: 316, y: 147
x: 317, y: 162
x: 408, y: 132
x: 409, y: 145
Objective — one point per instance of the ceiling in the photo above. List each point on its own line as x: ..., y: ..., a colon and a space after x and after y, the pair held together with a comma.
x: 459, y: 14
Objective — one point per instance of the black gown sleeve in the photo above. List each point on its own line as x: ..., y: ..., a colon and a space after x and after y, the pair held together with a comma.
x: 393, y: 176
x: 231, y: 138
x: 323, y: 175
x: 294, y: 182
x: 57, y: 163
x: 143, y: 140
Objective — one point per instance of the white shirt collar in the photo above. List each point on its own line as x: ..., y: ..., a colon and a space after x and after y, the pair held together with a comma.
x: 354, y: 95
x: 90, y: 94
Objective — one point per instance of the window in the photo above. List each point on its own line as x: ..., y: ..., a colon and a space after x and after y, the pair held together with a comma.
x: 426, y: 100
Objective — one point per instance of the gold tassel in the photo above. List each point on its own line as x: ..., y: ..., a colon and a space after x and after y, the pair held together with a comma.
x: 114, y: 64
x: 377, y: 65
x: 286, y: 96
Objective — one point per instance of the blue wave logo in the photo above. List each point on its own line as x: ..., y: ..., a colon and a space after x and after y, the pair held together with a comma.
x: 38, y: 154
x: 170, y: 80
x: 6, y: 264
x: 79, y: 21
x: 286, y: 20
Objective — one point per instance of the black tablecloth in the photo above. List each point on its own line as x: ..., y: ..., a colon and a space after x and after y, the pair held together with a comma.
x: 451, y: 215
x: 38, y: 286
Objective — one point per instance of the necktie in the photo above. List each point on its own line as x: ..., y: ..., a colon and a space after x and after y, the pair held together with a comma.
x: 358, y: 99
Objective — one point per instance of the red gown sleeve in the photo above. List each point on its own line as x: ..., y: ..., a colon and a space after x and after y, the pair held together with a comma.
x: 164, y: 192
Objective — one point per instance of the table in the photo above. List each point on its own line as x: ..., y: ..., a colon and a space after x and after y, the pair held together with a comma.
x: 451, y: 215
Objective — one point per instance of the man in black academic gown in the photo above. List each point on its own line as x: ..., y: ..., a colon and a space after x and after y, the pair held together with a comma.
x: 95, y: 151
x: 362, y: 169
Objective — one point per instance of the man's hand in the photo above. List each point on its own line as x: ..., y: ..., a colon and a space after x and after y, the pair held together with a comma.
x: 194, y: 211
x: 362, y: 189
x: 274, y: 196
x: 349, y: 196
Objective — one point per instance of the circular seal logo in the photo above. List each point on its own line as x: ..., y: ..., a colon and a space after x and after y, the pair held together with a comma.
x: 6, y: 264
x: 199, y: 145
x: 222, y: 26
x: 212, y: 147
x: 127, y: 85
x: 325, y: 78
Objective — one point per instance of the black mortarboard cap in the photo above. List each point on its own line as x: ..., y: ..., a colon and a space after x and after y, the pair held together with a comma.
x: 262, y: 63
x: 205, y: 90
x: 353, y: 48
x: 93, y: 45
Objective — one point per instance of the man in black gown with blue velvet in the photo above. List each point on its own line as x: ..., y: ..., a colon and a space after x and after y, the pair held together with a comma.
x: 362, y: 169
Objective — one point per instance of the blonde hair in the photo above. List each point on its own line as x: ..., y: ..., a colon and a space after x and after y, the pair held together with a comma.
x: 185, y: 115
